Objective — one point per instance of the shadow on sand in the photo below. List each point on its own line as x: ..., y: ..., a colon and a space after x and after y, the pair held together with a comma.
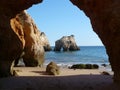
x: 75, y: 82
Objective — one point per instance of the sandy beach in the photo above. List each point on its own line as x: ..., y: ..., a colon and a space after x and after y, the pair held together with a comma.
x: 37, y: 71
x: 35, y: 78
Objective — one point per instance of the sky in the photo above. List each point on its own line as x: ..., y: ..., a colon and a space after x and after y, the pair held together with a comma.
x: 57, y: 18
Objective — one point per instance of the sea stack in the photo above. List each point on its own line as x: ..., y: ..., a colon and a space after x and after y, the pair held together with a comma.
x: 45, y: 42
x: 67, y: 43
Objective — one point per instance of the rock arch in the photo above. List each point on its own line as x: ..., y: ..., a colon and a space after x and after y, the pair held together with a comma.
x: 67, y: 43
x: 105, y: 20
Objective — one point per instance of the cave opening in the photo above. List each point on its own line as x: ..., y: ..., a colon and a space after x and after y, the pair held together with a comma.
x: 112, y: 49
x: 57, y: 19
x: 61, y: 18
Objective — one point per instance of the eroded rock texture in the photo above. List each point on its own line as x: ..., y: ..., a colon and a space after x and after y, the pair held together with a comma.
x: 67, y: 43
x: 11, y: 45
x: 45, y: 42
x: 33, y: 50
x: 53, y: 69
x: 105, y: 20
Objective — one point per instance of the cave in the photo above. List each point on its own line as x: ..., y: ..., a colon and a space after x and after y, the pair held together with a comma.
x: 105, y: 20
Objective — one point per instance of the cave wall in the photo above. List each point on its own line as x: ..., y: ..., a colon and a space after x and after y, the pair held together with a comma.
x: 105, y: 20
x: 11, y: 46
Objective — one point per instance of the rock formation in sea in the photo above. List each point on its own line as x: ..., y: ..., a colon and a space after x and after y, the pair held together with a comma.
x: 105, y: 20
x: 67, y: 43
x: 45, y: 42
x: 12, y: 42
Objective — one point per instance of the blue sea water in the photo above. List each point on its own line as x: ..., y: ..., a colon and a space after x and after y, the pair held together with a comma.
x: 87, y: 54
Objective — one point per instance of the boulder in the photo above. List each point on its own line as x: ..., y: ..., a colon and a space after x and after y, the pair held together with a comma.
x: 12, y: 42
x: 84, y: 66
x: 78, y: 66
x: 105, y: 73
x: 67, y: 43
x: 52, y: 69
x: 105, y: 20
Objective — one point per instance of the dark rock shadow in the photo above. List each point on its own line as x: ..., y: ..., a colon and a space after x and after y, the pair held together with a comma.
x: 75, y: 82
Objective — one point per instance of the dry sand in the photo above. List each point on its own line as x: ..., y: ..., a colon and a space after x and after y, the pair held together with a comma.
x: 36, y: 71
x: 36, y: 79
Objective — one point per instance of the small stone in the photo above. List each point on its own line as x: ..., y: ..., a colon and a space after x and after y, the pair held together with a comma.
x: 52, y: 69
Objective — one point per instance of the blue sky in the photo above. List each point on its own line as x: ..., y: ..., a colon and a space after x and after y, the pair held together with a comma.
x: 59, y: 18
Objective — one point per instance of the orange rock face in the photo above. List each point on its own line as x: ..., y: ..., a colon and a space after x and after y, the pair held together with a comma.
x: 105, y: 20
x: 34, y: 52
x: 18, y: 29
x: 28, y: 32
x: 11, y: 42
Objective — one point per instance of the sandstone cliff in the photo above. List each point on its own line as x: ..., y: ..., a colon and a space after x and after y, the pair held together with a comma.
x: 67, y: 43
x: 35, y: 40
x: 45, y: 42
x: 105, y: 20
x: 34, y: 52
x: 11, y: 45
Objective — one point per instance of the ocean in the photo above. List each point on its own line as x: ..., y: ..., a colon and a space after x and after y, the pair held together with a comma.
x: 86, y: 55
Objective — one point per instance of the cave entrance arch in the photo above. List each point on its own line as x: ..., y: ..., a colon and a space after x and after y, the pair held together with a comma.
x: 104, y: 18
x: 54, y: 16
x: 63, y: 20
x: 103, y: 14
